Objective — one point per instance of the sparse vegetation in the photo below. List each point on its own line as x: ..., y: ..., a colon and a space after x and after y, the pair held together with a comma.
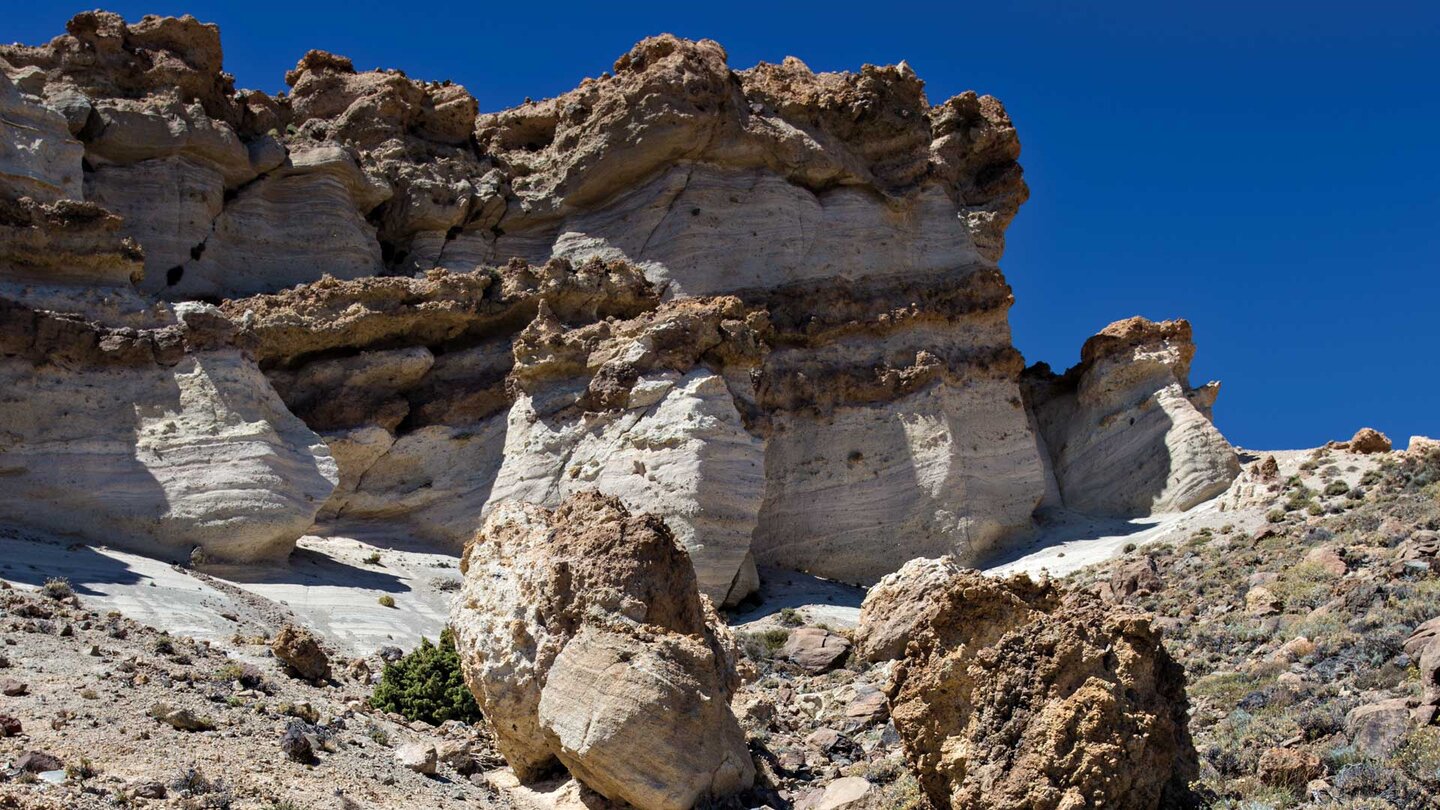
x: 1290, y: 677
x: 57, y: 588
x: 386, y: 600
x: 763, y: 645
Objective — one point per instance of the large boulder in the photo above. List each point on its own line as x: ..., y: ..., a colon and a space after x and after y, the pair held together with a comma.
x: 1014, y: 694
x: 585, y: 640
x: 899, y: 605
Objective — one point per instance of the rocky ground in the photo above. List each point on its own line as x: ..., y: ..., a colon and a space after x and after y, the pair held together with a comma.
x: 102, y: 711
x: 1306, y: 687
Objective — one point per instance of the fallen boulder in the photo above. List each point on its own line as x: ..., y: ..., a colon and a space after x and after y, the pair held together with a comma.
x: 1015, y: 694
x: 301, y: 653
x: 583, y: 636
x: 815, y: 649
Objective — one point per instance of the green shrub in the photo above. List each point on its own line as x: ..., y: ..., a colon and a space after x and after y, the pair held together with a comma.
x: 763, y: 645
x: 1336, y: 488
x: 427, y: 685
x: 386, y: 600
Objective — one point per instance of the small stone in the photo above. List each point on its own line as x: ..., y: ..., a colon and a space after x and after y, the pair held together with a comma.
x: 1295, y: 649
x: 302, y: 710
x: 9, y: 726
x: 13, y: 688
x: 181, y: 719
x: 1289, y: 767
x: 823, y: 738
x: 1261, y: 601
x: 459, y: 755
x: 148, y: 790
x: 868, y: 706
x: 37, y: 762
x: 1327, y: 560
x: 296, y: 743
x: 418, y: 756
x: 815, y: 649
x: 850, y: 791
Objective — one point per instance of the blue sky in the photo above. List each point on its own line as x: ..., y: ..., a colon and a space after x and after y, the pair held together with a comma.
x: 1270, y: 171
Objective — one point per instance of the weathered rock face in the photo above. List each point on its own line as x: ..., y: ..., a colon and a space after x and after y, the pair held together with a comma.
x: 158, y: 440
x: 198, y: 171
x: 407, y: 379
x: 1012, y: 694
x: 1126, y: 433
x: 585, y: 640
x: 763, y: 304
x: 38, y: 158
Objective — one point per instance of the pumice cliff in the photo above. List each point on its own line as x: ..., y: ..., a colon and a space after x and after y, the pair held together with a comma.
x: 763, y: 304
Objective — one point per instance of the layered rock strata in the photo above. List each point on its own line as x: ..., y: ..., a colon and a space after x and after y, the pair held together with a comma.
x: 1125, y: 431
x: 161, y: 438
x: 1013, y: 694
x: 586, y: 642
x: 761, y: 303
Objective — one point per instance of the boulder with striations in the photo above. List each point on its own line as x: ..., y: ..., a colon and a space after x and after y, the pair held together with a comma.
x: 586, y: 642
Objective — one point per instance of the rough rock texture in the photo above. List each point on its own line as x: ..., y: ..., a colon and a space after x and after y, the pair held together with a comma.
x: 1012, y: 694
x: 38, y: 158
x: 301, y: 653
x: 1126, y: 432
x: 585, y: 640
x: 1423, y: 646
x: 1366, y: 440
x: 898, y: 606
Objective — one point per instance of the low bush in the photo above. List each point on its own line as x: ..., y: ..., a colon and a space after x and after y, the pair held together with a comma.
x: 427, y: 685
x: 57, y: 588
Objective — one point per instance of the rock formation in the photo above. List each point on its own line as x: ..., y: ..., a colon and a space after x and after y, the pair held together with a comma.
x: 585, y: 640
x: 1012, y: 694
x: 1125, y: 431
x: 1366, y: 441
x: 139, y: 426
x: 764, y: 304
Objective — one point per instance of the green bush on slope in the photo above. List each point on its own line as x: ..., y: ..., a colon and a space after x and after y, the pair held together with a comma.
x: 427, y: 685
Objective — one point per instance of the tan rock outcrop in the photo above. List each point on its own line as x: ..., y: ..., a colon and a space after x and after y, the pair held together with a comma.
x: 1126, y: 432
x: 585, y: 640
x: 898, y: 606
x: 1013, y: 694
x: 1365, y: 441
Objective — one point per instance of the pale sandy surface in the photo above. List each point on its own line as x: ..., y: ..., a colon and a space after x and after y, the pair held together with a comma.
x: 326, y: 585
